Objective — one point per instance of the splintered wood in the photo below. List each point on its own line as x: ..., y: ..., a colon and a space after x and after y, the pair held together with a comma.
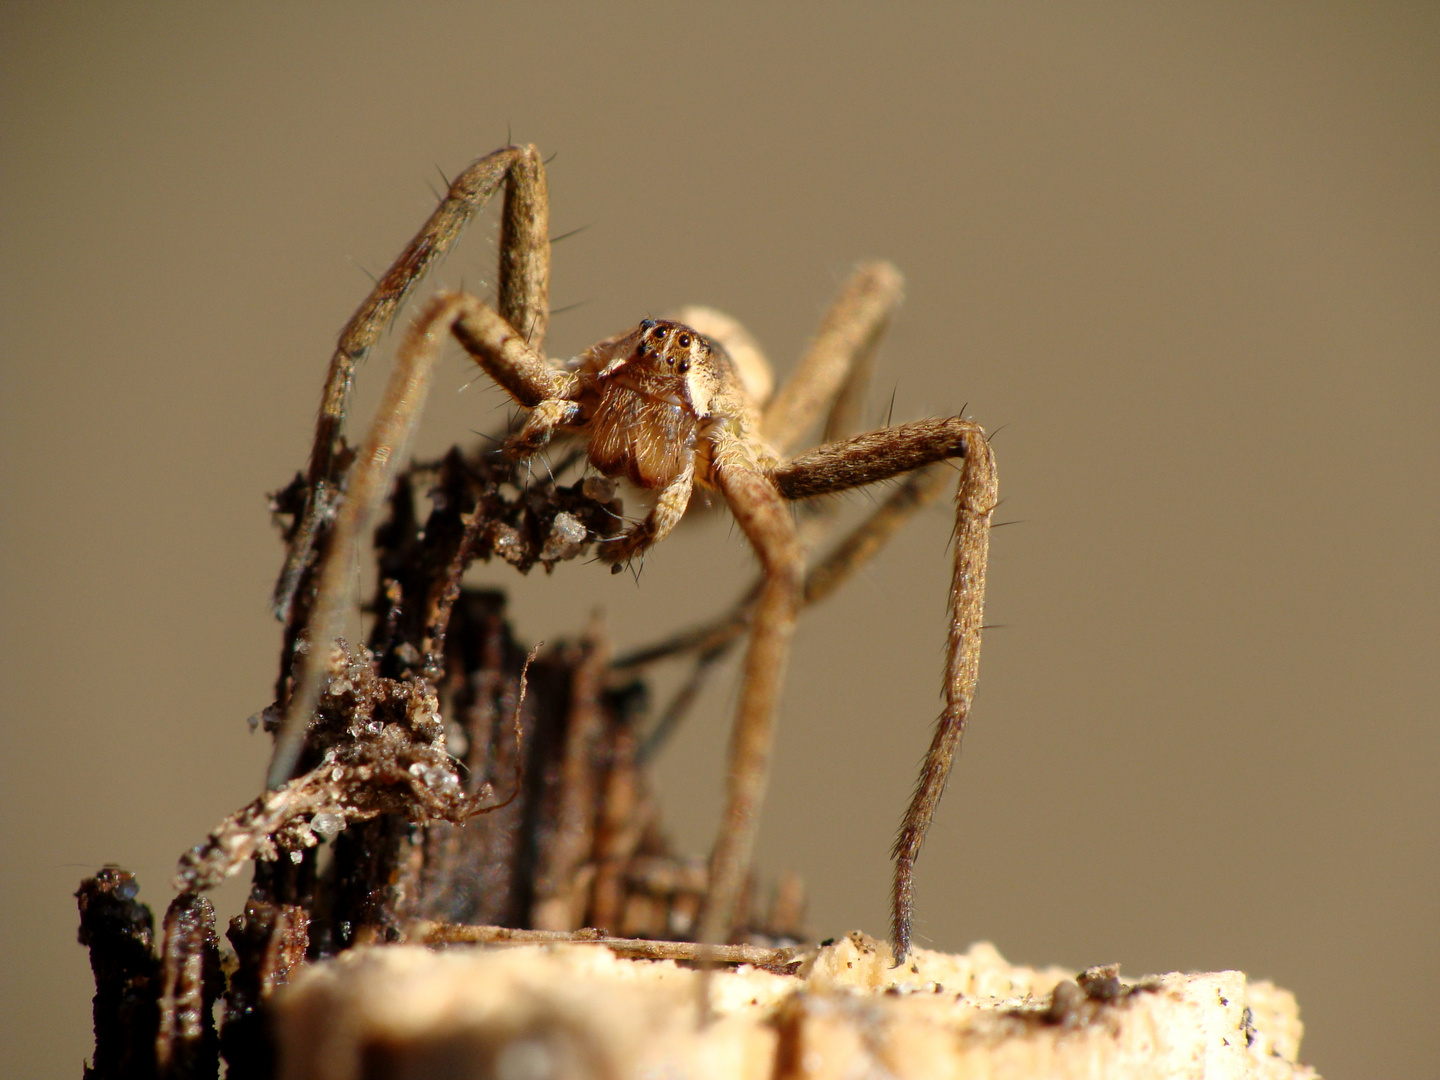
x: 577, y: 1010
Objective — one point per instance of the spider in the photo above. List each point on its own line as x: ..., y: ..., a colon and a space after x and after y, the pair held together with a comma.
x: 671, y: 404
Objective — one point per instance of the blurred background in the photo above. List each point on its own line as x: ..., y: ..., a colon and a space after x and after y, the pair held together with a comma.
x: 1184, y: 259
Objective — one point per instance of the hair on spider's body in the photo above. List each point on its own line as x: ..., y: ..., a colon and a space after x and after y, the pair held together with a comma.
x: 669, y: 405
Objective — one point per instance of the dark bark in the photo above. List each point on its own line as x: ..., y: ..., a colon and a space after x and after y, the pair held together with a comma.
x: 119, y: 931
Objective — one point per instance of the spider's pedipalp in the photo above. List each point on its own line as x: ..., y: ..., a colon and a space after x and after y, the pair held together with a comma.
x: 668, y: 510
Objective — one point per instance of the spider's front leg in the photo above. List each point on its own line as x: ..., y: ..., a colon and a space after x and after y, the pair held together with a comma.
x: 523, y: 298
x: 551, y: 394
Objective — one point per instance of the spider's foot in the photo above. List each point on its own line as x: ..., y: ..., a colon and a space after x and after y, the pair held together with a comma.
x: 522, y: 447
x: 624, y: 548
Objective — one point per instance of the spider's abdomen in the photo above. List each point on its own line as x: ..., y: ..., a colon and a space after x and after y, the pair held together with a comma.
x: 650, y: 441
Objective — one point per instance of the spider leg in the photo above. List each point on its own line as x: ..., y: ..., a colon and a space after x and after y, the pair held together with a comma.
x: 501, y: 348
x: 369, y: 481
x: 975, y: 502
x: 510, y: 362
x: 523, y: 300
x: 873, y: 456
x: 523, y: 291
x: 836, y: 367
x: 762, y: 514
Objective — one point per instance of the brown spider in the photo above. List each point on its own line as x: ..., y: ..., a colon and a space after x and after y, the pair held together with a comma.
x: 669, y: 405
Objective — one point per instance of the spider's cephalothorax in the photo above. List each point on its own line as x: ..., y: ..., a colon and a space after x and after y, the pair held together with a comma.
x: 668, y: 405
x: 657, y: 386
x: 651, y: 404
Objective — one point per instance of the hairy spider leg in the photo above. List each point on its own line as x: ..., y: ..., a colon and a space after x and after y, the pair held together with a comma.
x: 865, y: 459
x: 369, y: 482
x: 763, y: 516
x: 975, y: 502
x: 523, y: 299
x: 518, y: 367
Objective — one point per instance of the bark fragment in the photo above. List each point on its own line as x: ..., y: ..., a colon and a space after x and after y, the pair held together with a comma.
x: 119, y: 931
x: 187, y: 1046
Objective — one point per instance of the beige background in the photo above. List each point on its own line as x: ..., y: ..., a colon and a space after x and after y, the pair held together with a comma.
x: 1186, y: 257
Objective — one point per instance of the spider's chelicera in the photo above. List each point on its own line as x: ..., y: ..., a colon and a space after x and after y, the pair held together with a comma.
x: 668, y: 405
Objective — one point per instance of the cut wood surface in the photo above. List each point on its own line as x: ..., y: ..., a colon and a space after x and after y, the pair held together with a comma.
x: 525, y: 1011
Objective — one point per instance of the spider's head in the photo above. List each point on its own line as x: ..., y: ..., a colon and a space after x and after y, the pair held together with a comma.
x: 668, y: 360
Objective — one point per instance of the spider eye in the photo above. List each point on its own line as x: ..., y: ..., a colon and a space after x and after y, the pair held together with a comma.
x: 684, y: 367
x: 659, y: 333
x: 684, y: 341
